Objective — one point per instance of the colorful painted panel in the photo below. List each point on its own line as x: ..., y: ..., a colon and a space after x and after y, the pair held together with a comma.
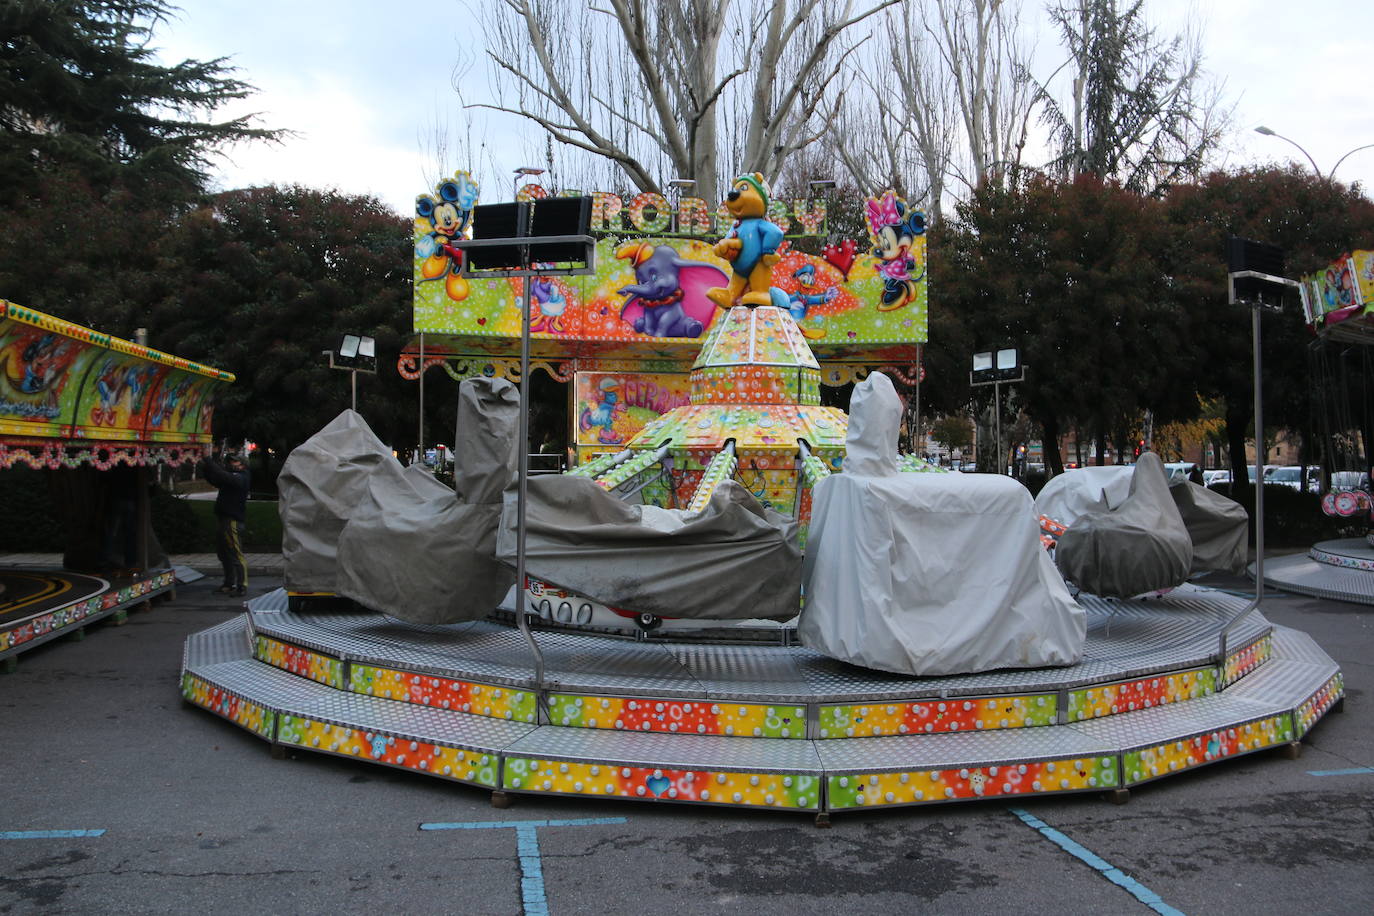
x: 301, y: 662
x: 61, y: 380
x: 937, y: 716
x: 764, y: 790
x: 869, y: 790
x: 444, y: 693
x: 378, y: 747
x: 16, y: 635
x: 1126, y: 696
x: 1161, y: 760
x: 1316, y: 706
x: 244, y: 713
x: 610, y: 407
x: 1241, y: 663
x: 651, y: 287
x: 690, y: 717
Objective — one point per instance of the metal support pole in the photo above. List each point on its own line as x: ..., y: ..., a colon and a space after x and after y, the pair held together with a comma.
x: 1259, y: 458
x: 522, y: 303
x: 997, y: 422
x: 353, y: 373
x: 420, y: 443
x: 1259, y: 490
x: 916, y: 437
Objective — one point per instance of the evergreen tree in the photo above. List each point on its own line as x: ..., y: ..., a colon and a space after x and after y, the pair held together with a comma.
x: 81, y: 90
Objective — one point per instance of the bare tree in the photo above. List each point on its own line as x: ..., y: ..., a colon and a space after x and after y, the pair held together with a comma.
x: 950, y: 104
x: 655, y: 87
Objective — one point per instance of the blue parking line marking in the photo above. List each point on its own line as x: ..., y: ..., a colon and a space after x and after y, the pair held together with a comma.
x: 46, y: 834
x: 1353, y: 771
x: 1088, y: 857
x: 534, y: 900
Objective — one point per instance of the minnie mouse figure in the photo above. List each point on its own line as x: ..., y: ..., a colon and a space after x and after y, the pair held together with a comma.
x: 893, y: 229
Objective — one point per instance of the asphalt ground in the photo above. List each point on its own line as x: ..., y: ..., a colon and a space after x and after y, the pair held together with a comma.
x: 198, y: 818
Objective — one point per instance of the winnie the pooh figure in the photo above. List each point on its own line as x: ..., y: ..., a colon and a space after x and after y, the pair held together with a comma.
x: 751, y: 247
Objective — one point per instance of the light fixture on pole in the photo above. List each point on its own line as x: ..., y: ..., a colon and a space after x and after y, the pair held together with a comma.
x: 1329, y: 176
x: 821, y: 184
x: 355, y: 353
x: 679, y: 185
x: 994, y: 367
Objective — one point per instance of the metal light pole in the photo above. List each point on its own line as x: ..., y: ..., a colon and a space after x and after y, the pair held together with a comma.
x: 1329, y: 176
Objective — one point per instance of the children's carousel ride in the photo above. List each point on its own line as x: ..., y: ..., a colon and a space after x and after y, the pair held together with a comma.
x: 1338, y: 303
x: 94, y: 413
x: 939, y: 657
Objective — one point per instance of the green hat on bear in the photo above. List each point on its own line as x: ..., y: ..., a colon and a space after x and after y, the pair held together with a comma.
x: 757, y: 182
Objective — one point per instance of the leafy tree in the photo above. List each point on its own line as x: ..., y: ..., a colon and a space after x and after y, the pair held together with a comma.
x: 953, y: 432
x: 260, y: 281
x: 80, y: 90
x: 1314, y: 220
x: 1071, y: 274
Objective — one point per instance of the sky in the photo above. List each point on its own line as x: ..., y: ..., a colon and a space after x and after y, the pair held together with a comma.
x: 363, y: 86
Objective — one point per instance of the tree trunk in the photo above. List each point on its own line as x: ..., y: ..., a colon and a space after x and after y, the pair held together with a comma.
x: 1049, y: 445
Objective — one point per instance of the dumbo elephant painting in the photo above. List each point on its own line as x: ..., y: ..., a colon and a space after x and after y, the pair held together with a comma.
x: 668, y: 298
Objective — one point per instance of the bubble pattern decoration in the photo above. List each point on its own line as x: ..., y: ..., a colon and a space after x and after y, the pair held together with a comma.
x: 927, y: 717
x: 1175, y: 756
x: 914, y: 787
x: 566, y: 777
x: 1144, y: 693
x: 743, y: 720
x: 421, y: 756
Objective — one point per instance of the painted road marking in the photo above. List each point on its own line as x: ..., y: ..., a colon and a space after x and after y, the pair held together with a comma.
x: 1353, y: 771
x: 1109, y: 871
x: 46, y: 834
x: 532, y: 895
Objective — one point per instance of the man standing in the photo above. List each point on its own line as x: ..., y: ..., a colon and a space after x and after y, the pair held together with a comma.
x: 231, y: 507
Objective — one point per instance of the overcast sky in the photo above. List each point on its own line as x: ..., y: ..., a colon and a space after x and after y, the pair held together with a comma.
x: 363, y: 85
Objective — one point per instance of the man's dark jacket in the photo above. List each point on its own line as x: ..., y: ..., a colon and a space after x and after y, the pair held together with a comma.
x: 232, y: 501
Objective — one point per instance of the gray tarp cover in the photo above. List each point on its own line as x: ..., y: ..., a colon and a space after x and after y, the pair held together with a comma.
x: 394, y: 539
x: 928, y: 574
x: 1218, y: 525
x: 736, y: 559
x: 1140, y: 546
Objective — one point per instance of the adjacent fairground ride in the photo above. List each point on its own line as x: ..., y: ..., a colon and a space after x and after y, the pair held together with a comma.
x: 94, y: 413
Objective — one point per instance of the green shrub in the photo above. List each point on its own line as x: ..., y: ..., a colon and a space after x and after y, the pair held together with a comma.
x: 1293, y: 518
x: 30, y: 520
x: 178, y: 526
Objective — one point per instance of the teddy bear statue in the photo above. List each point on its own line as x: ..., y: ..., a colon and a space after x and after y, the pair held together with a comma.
x: 751, y: 247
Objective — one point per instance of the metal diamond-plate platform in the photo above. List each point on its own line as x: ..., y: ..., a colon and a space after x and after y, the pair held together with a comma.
x: 755, y: 761
x: 1306, y: 576
x: 1126, y: 639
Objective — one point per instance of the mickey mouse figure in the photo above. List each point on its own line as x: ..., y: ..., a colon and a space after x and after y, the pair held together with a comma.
x: 443, y: 219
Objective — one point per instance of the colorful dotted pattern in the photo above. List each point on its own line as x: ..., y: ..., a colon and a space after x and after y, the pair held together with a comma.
x: 874, y: 790
x: 243, y: 713
x: 1127, y: 696
x: 420, y: 756
x: 1241, y: 663
x: 8, y: 310
x: 756, y: 385
x: 937, y: 716
x: 1163, y: 759
x: 75, y: 613
x: 763, y: 790
x: 302, y: 662
x: 443, y: 693
x: 678, y: 716
x: 1316, y: 706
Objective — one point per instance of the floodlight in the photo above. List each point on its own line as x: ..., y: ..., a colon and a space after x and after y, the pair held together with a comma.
x: 1006, y: 359
x: 348, y: 346
x: 982, y: 362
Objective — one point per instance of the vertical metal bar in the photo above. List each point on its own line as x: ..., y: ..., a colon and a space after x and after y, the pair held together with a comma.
x: 1259, y: 458
x: 522, y: 490
x: 353, y: 374
x: 916, y: 438
x: 997, y: 422
x: 420, y: 443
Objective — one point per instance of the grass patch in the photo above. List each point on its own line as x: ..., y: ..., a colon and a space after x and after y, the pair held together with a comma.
x: 262, y: 528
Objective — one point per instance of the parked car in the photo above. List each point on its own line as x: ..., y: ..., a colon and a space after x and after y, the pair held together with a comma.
x: 1289, y: 476
x: 1178, y: 470
x: 1216, y: 477
x: 1346, y: 480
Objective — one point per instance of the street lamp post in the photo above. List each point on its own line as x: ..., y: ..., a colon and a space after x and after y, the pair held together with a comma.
x: 993, y: 367
x: 1329, y: 176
